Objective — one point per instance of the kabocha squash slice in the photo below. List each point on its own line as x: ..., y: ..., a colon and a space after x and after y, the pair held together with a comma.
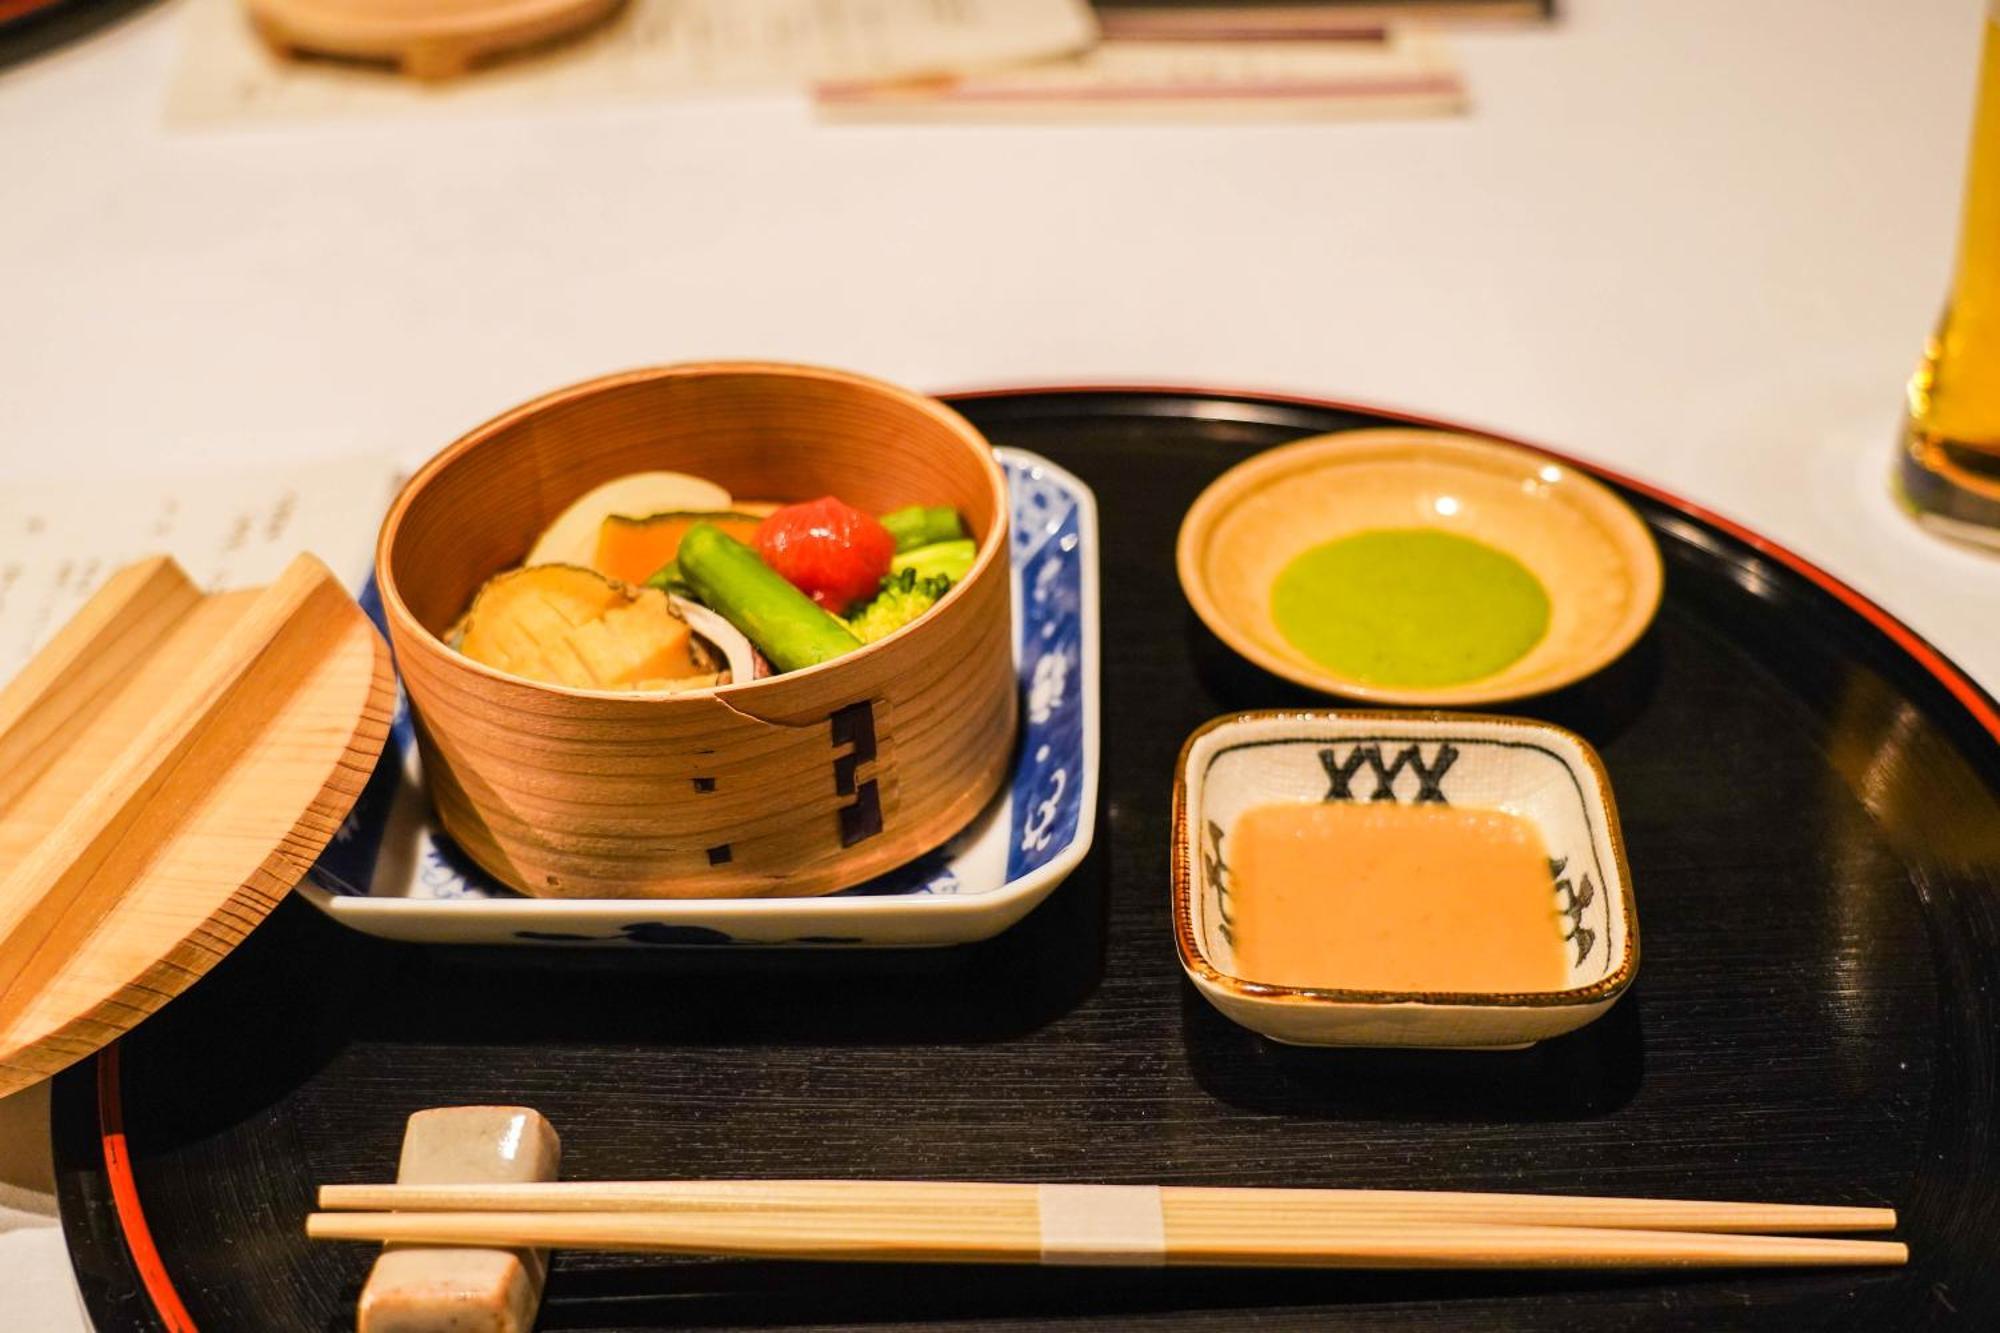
x: 572, y: 538
x: 633, y: 549
x: 564, y: 625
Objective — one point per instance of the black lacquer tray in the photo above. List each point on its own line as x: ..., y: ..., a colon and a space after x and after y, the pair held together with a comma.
x: 1809, y: 794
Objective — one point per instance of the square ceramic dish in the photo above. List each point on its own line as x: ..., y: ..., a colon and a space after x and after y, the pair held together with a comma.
x: 391, y: 871
x: 1532, y: 769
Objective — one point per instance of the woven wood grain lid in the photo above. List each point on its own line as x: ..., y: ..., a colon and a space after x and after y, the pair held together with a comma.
x: 170, y: 765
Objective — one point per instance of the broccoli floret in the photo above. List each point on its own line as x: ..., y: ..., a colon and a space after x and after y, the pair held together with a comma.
x: 903, y: 597
x: 951, y: 560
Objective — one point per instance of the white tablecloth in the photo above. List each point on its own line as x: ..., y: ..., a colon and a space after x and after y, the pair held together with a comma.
x: 1700, y: 240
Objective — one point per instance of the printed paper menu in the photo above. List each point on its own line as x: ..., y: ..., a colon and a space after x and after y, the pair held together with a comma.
x: 650, y: 49
x: 60, y: 541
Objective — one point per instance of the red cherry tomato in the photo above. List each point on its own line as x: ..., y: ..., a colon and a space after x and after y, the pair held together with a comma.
x: 828, y: 550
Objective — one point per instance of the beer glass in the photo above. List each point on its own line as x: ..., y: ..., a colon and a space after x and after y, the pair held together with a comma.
x: 1949, y: 468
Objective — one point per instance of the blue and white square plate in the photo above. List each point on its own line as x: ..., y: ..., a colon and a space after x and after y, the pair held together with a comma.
x: 391, y: 871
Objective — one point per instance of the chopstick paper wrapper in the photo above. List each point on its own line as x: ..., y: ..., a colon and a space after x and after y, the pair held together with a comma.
x: 1102, y: 1225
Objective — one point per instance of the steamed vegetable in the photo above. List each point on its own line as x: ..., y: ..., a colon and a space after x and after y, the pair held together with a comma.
x: 634, y: 549
x: 635, y: 584
x: 569, y: 626
x: 950, y: 560
x: 783, y: 622
x: 572, y: 538
x: 903, y: 598
x: 920, y: 525
x: 725, y: 639
x: 827, y: 549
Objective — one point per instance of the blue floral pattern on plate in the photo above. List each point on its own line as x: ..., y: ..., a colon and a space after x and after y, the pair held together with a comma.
x: 390, y: 852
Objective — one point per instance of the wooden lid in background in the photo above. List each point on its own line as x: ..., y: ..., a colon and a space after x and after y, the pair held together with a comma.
x: 427, y: 39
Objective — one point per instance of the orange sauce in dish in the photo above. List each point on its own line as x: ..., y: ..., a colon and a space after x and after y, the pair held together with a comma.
x: 1347, y: 896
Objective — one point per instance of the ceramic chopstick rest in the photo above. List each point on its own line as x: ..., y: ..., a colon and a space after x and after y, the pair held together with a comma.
x: 425, y: 1289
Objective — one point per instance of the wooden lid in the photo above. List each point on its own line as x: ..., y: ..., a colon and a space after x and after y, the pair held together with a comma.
x: 170, y: 765
x: 427, y: 39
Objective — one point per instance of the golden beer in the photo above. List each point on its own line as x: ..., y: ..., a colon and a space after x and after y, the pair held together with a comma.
x: 1950, y: 469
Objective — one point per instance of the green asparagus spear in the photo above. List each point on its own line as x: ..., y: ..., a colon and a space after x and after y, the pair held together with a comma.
x: 782, y: 621
x: 920, y: 525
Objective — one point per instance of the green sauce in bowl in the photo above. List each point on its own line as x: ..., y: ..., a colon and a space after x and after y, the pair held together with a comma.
x: 1409, y: 607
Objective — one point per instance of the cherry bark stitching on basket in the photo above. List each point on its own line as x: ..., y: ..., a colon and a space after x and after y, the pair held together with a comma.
x: 854, y: 726
x: 1430, y: 778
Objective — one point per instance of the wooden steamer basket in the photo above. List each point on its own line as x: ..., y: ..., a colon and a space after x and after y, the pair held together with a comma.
x: 799, y: 784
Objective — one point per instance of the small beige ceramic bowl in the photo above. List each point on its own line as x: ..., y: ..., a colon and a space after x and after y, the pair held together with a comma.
x: 1592, y: 554
x: 1541, y: 772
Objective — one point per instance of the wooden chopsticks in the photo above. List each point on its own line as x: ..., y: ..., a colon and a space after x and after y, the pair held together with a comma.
x: 965, y: 1222
x: 1219, y: 1202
